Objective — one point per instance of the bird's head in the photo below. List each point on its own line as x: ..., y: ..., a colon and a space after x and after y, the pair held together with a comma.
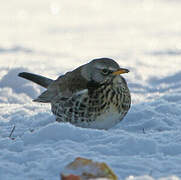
x: 99, y: 70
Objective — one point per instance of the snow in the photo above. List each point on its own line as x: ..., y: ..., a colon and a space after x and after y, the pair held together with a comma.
x: 51, y: 37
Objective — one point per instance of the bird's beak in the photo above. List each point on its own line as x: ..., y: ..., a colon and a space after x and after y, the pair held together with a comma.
x: 120, y: 71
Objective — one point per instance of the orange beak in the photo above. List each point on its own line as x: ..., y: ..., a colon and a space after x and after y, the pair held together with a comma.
x: 120, y: 71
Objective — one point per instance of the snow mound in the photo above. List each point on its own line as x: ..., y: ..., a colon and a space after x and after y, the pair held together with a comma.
x: 12, y: 81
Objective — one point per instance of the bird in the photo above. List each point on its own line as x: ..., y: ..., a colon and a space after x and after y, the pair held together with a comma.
x: 94, y: 95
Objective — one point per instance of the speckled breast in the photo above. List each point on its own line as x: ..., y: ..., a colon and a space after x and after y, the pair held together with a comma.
x: 100, y: 108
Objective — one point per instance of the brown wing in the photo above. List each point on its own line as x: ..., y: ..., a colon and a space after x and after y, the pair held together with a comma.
x: 65, y: 86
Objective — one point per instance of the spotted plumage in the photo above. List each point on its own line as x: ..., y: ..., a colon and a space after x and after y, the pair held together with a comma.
x: 94, y: 95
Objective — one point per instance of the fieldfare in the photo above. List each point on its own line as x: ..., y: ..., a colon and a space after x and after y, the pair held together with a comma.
x: 93, y: 95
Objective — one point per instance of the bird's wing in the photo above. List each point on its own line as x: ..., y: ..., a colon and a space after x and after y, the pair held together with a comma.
x: 64, y: 87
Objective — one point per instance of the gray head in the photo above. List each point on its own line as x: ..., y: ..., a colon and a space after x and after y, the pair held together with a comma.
x: 98, y: 70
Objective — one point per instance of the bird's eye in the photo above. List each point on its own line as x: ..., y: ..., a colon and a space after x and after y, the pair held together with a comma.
x: 106, y: 71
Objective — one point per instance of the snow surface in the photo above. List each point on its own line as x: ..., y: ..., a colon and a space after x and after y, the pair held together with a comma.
x: 51, y: 37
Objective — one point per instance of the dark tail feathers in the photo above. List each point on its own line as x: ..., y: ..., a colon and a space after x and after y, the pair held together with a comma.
x: 41, y: 80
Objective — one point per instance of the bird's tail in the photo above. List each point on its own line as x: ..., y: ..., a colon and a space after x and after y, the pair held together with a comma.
x: 41, y: 80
